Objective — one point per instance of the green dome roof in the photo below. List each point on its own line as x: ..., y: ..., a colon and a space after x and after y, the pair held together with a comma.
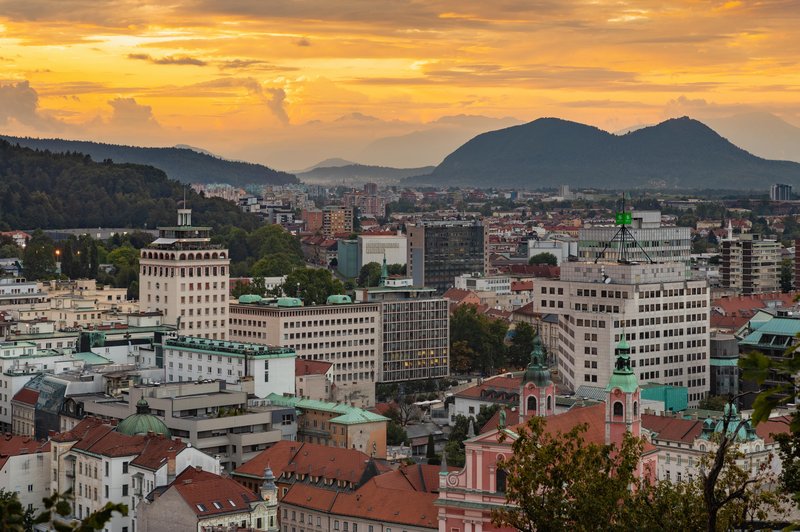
x: 537, y: 371
x: 143, y: 422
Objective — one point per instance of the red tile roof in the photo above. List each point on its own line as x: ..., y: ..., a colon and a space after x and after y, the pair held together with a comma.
x: 733, y: 312
x: 512, y: 418
x: 209, y: 494
x: 518, y: 286
x: 402, y: 507
x: 775, y: 425
x: 286, y: 457
x: 18, y: 445
x: 459, y: 294
x: 92, y: 435
x: 311, y: 497
x: 26, y: 396
x: 310, y: 367
x: 673, y: 429
x: 497, y: 384
x: 593, y: 416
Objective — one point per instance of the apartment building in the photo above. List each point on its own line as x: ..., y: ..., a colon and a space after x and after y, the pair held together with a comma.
x: 440, y: 251
x: 16, y: 293
x: 348, y: 335
x: 750, y: 264
x: 263, y: 368
x: 185, y: 277
x: 218, y: 421
x: 663, y: 316
x: 337, y: 219
x: 100, y: 464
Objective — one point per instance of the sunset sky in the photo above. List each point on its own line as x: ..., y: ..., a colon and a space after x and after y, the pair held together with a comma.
x: 289, y: 83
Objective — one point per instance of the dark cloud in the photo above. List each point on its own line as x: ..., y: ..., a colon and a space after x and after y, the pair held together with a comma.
x: 303, y: 42
x: 169, y: 59
x: 252, y: 64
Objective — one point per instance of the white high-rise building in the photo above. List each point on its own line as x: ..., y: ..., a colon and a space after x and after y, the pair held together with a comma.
x: 665, y: 319
x: 184, y: 276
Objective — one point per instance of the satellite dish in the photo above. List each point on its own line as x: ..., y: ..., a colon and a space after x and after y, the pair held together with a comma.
x: 607, y: 280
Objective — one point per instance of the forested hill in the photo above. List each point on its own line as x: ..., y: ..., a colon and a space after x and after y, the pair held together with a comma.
x: 39, y: 189
x: 183, y: 164
x: 679, y: 153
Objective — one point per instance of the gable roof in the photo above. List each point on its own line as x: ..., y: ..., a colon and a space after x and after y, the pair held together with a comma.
x: 209, y: 494
x: 26, y: 396
x: 671, y: 428
x: 494, y: 386
x: 19, y: 445
x: 304, y: 367
x: 593, y: 416
x: 287, y: 457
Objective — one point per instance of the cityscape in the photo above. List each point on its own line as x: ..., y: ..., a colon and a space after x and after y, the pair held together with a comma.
x: 412, y: 281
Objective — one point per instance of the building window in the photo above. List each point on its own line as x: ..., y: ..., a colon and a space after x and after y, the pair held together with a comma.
x: 617, y: 409
x: 124, y: 468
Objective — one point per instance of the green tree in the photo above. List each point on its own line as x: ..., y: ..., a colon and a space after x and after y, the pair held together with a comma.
x: 562, y: 483
x: 396, y: 434
x: 521, y: 344
x: 787, y: 274
x: 56, y: 514
x: 544, y: 258
x: 39, y: 259
x: 714, y: 402
x: 430, y: 451
x: 314, y: 284
x: 276, y: 265
x: 369, y: 275
x: 484, y: 340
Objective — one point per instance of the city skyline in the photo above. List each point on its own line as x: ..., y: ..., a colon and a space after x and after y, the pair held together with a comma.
x: 252, y: 80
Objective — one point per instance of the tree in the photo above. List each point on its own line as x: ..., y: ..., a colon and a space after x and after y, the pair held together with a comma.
x: 39, y: 258
x: 369, y: 275
x: 312, y: 285
x: 561, y: 482
x: 714, y: 402
x: 430, y: 452
x: 484, y: 339
x: 56, y: 514
x: 521, y: 344
x: 544, y: 258
x: 787, y: 273
x: 275, y: 265
x: 395, y: 434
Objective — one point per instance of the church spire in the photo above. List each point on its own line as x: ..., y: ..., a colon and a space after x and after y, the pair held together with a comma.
x: 384, y: 271
x: 623, y: 377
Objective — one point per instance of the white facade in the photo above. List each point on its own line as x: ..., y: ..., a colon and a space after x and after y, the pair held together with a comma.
x: 185, y: 277
x: 16, y: 293
x: 373, y: 248
x: 500, y: 285
x: 193, y: 359
x: 28, y: 475
x: 348, y: 335
x: 561, y: 248
x: 665, y: 319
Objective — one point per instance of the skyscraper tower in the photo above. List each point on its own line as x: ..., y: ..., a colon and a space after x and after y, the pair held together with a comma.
x: 185, y: 277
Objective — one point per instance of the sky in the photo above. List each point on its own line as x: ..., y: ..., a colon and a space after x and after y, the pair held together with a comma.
x: 288, y: 83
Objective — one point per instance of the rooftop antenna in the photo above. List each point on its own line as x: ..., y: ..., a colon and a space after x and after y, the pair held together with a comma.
x: 623, y: 219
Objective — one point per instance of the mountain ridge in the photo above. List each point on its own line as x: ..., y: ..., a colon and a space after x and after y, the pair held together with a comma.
x: 547, y: 152
x: 184, y: 164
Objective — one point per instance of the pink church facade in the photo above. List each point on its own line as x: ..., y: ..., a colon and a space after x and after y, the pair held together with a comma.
x: 467, y: 497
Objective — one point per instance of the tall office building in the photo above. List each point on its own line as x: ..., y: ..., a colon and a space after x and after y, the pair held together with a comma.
x: 751, y: 264
x: 780, y: 192
x: 655, y: 242
x: 440, y: 251
x: 343, y: 333
x: 185, y: 277
x: 664, y: 317
x: 416, y: 330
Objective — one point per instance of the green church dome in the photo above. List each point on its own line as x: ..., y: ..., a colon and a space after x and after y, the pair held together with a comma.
x: 143, y: 422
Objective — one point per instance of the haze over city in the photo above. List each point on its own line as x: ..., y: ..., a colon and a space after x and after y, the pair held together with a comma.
x: 290, y: 84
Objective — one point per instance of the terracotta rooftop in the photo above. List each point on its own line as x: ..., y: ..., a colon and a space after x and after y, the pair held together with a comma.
x: 673, y: 429
x: 287, y: 457
x: 26, y: 396
x: 497, y: 385
x: 458, y: 294
x: 732, y: 312
x: 209, y: 494
x: 512, y: 418
x: 19, y: 445
x: 310, y: 367
x: 593, y: 416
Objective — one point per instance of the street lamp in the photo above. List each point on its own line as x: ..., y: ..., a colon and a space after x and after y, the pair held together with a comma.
x: 58, y: 261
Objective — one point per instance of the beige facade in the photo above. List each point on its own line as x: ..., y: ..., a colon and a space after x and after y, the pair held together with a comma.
x: 664, y: 317
x: 337, y: 220
x: 184, y: 276
x: 751, y: 265
x: 347, y: 335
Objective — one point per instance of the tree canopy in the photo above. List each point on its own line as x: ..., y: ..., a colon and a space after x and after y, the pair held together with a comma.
x: 312, y: 285
x: 544, y: 257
